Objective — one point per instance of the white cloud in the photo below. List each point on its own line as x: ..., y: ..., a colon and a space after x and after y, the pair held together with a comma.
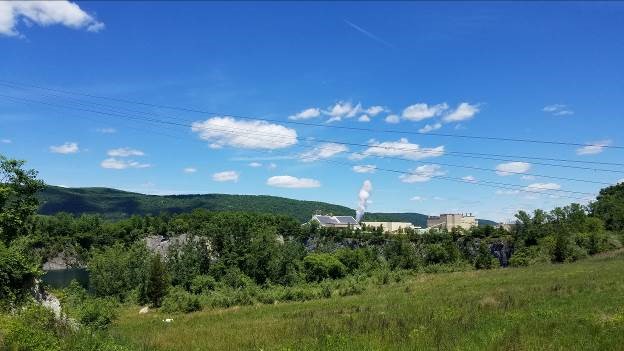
x: 190, y: 170
x: 469, y: 179
x: 558, y: 110
x: 225, y: 176
x: 402, y: 148
x: 343, y: 109
x: 323, y: 151
x: 364, y: 118
x: 528, y: 177
x: 272, y: 166
x: 392, y: 119
x: 114, y: 163
x: 6, y: 141
x: 306, y: 114
x: 430, y: 127
x: 463, y: 112
x: 364, y: 168
x: 375, y: 110
x: 510, y: 168
x: 227, y: 131
x: 439, y: 198
x: 255, y: 164
x: 418, y: 198
x: 67, y: 148
x: 286, y: 181
x: 124, y: 152
x: 420, y: 111
x: 539, y: 187
x: 422, y: 173
x: 596, y: 147
x: 44, y: 13
x: 106, y: 130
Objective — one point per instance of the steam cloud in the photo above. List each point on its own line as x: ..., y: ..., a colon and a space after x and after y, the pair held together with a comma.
x: 364, y: 194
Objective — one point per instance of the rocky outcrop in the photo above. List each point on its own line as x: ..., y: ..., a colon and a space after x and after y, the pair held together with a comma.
x: 160, y: 244
x: 62, y: 261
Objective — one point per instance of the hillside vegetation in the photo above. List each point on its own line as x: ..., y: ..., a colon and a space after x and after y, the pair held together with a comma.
x: 112, y: 203
x: 545, y: 307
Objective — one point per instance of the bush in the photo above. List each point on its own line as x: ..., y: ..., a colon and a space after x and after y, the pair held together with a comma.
x: 32, y: 329
x: 236, y: 279
x: 202, y: 284
x: 16, y: 276
x: 179, y: 300
x: 353, y: 287
x: 322, y: 266
x: 96, y: 313
x: 484, y: 258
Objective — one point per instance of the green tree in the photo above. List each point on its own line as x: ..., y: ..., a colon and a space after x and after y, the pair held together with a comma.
x: 319, y: 266
x: 157, y: 281
x: 18, y: 201
x: 609, y: 207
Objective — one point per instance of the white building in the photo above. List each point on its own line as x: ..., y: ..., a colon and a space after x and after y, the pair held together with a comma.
x: 335, y: 221
x: 390, y: 227
x: 452, y: 220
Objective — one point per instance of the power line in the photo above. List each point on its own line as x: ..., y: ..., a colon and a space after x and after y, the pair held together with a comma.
x: 162, y: 106
x: 273, y: 137
x: 496, y: 157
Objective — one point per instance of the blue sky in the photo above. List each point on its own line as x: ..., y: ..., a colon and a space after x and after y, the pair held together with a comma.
x: 548, y: 71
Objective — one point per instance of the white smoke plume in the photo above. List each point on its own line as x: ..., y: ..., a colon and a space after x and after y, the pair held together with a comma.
x: 364, y: 194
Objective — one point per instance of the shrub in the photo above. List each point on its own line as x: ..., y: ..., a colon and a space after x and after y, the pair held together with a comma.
x: 16, y: 276
x: 179, y: 300
x: 322, y: 266
x: 157, y: 282
x: 96, y: 313
x: 203, y: 283
x: 236, y: 279
x: 353, y: 287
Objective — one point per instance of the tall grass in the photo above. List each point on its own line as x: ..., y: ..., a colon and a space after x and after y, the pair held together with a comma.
x: 577, y: 306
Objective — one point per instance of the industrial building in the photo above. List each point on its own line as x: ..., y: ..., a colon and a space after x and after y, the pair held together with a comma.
x: 452, y: 220
x: 335, y: 221
x: 390, y: 227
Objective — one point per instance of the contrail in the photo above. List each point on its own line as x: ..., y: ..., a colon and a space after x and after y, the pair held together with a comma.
x: 369, y: 34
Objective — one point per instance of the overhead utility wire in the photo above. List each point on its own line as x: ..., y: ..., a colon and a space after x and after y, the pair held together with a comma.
x: 496, y: 157
x: 274, y: 138
x: 162, y: 106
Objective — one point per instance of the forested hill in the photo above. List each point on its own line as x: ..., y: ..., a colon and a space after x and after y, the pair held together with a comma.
x: 113, y: 203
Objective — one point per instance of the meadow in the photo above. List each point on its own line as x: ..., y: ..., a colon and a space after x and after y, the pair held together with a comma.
x: 576, y: 306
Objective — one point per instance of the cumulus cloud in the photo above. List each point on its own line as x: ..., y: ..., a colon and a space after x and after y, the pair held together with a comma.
x: 430, y: 127
x: 422, y: 173
x: 392, y: 119
x: 6, y: 141
x: 596, y: 147
x: 463, y: 112
x: 227, y: 131
x: 44, y: 13
x: 342, y: 109
x: 364, y: 118
x: 115, y: 163
x: 421, y: 111
x: 124, y: 152
x: 401, y: 148
x: 558, y: 110
x: 539, y: 187
x: 469, y: 179
x: 364, y: 168
x: 375, y: 110
x: 225, y: 176
x: 306, y: 114
x: 511, y: 168
x: 67, y: 148
x: 190, y: 170
x: 286, y: 181
x: 255, y: 164
x: 323, y: 151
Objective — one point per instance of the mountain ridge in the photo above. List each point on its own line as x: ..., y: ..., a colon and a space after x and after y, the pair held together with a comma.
x: 114, y: 204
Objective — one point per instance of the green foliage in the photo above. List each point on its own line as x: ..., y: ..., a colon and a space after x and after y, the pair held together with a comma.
x: 609, y: 207
x: 484, y: 259
x: 179, y: 300
x: 18, y: 201
x: 157, y: 281
x: 116, y: 270
x: 188, y: 260
x: 319, y: 266
x: 203, y: 283
x: 17, y: 276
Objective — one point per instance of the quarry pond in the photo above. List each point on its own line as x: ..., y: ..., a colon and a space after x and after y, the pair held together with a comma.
x: 61, y: 278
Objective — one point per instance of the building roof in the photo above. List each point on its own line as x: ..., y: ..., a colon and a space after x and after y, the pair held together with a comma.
x: 335, y: 220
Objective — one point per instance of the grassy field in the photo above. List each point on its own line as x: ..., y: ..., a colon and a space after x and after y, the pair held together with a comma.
x: 577, y: 306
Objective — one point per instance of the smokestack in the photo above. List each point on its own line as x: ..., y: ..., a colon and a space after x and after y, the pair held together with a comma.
x: 364, y: 194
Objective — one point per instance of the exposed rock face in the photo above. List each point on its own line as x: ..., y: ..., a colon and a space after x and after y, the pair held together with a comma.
x: 501, y: 250
x: 160, y: 245
x: 62, y: 261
